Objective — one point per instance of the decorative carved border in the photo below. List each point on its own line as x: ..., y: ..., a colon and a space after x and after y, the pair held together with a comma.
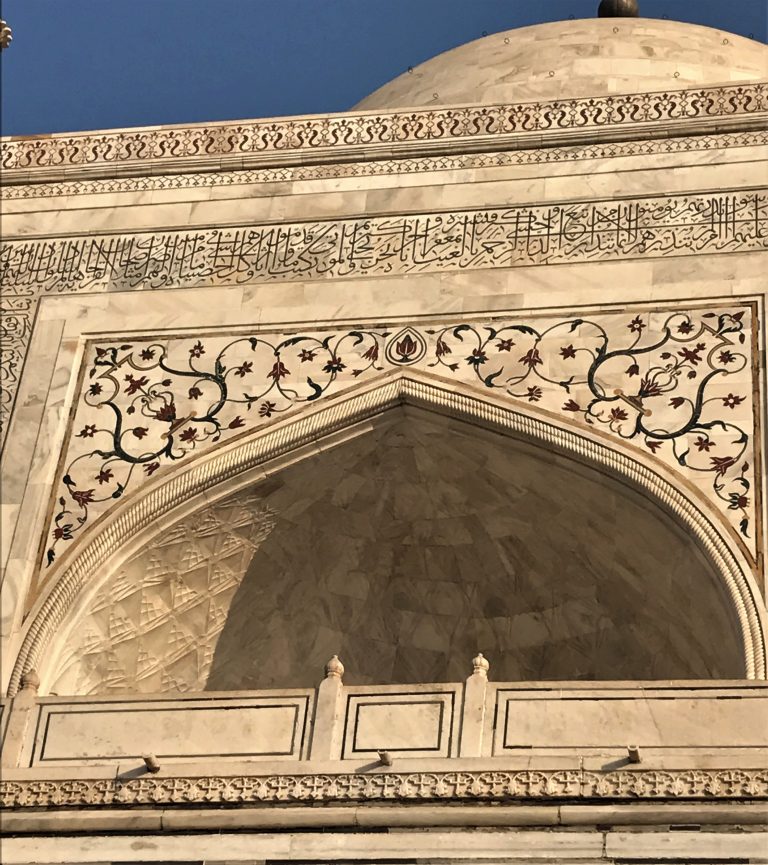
x: 79, y: 565
x: 372, y: 131
x: 379, y: 167
x: 419, y: 786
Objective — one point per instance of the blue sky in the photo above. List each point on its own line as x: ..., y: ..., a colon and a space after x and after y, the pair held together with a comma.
x: 89, y: 64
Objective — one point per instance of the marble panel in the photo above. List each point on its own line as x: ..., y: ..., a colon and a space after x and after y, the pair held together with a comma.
x: 407, y: 724
x: 678, y: 385
x: 402, y: 846
x: 568, y: 719
x: 269, y: 727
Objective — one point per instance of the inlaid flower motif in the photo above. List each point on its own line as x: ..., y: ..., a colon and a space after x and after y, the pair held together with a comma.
x: 477, y: 357
x: 278, y: 371
x: 406, y: 347
x: 334, y: 365
x: 532, y: 358
x: 534, y: 393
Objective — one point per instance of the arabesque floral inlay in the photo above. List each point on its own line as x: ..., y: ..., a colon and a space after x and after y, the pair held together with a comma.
x: 676, y: 384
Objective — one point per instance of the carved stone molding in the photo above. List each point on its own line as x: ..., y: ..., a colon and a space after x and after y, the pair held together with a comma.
x: 379, y: 167
x: 415, y: 786
x: 366, y: 133
x: 90, y: 556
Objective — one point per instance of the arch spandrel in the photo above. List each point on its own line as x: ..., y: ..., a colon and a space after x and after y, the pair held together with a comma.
x: 677, y: 386
x: 227, y: 467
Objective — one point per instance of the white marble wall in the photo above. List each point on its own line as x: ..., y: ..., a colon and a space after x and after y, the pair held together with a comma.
x: 56, y: 325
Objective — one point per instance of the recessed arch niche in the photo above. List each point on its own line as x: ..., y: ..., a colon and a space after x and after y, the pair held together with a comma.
x: 406, y: 548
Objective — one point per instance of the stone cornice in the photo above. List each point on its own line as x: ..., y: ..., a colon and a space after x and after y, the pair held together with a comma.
x: 375, y: 135
x: 493, y: 785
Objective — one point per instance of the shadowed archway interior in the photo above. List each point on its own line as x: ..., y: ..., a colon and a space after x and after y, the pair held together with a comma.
x: 407, y: 547
x: 410, y: 548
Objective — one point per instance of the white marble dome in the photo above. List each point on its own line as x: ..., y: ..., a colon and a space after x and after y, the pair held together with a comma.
x: 570, y: 59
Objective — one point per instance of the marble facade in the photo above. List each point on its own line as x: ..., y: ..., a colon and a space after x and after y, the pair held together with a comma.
x: 478, y: 366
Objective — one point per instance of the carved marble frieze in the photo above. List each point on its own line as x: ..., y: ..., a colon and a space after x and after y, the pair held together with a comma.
x: 383, y: 167
x: 541, y: 784
x: 301, y: 136
x: 569, y: 232
x: 676, y: 385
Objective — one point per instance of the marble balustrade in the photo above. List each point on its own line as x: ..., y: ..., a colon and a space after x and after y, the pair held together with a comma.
x: 380, y: 726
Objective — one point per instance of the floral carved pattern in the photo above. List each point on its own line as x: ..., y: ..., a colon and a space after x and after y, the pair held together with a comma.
x: 306, y: 135
x: 463, y: 785
x: 676, y: 385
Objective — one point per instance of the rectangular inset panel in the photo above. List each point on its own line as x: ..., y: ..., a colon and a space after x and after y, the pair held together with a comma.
x: 606, y: 719
x: 413, y: 724
x: 272, y: 728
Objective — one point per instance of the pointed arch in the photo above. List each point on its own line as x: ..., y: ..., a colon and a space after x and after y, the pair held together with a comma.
x: 230, y: 466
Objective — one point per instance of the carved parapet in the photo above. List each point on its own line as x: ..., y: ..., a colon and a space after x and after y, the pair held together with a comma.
x: 349, y: 136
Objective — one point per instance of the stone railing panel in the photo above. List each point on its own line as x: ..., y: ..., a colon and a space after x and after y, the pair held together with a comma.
x: 420, y: 721
x: 564, y: 720
x: 90, y: 732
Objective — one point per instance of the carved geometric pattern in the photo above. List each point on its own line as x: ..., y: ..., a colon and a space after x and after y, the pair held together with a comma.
x: 155, y: 627
x: 462, y: 785
x: 374, y: 130
x: 677, y: 385
x: 377, y: 167
x: 566, y: 232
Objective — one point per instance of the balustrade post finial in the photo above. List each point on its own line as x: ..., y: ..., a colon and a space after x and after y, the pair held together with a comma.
x: 30, y: 681
x: 334, y: 668
x: 480, y: 665
x: 328, y: 728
